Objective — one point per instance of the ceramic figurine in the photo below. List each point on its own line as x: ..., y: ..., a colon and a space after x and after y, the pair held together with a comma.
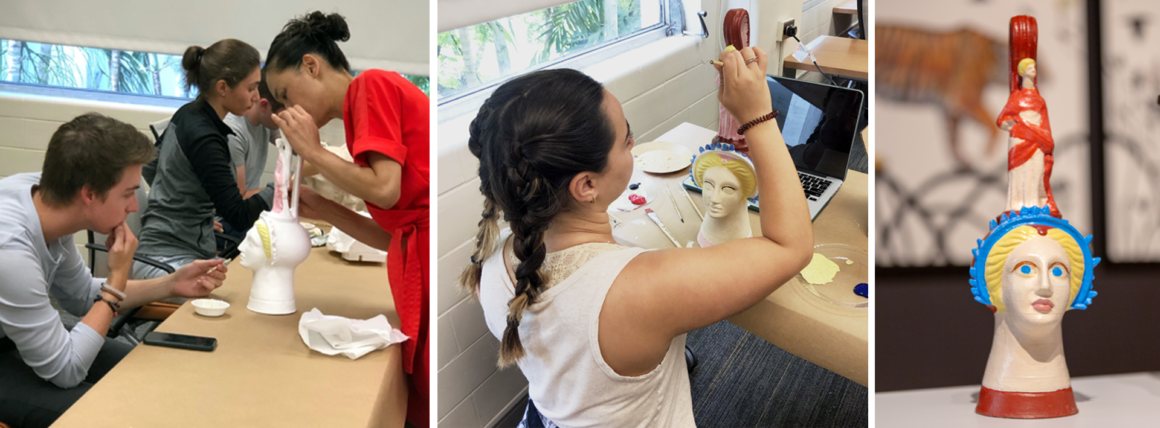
x: 1032, y: 266
x: 277, y: 243
x: 728, y: 182
x: 1030, y: 145
x: 736, y: 33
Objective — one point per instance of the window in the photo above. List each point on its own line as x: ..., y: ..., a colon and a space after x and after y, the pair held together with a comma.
x: 106, y: 71
x: 94, y: 69
x: 478, y: 56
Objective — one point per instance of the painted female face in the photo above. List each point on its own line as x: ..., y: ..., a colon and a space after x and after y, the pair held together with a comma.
x: 252, y: 250
x: 1037, y: 281
x: 289, y: 244
x: 1030, y: 71
x: 722, y: 192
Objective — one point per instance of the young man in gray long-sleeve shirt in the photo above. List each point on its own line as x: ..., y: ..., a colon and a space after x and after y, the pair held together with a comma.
x: 91, y: 170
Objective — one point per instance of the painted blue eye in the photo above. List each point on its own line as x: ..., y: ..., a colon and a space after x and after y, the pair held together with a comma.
x: 1026, y: 270
x: 1057, y: 271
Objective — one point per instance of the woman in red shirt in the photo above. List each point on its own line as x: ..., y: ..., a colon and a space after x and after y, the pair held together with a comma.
x: 387, y: 132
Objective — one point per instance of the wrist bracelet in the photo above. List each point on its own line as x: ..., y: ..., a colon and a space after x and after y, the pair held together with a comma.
x: 116, y: 307
x: 120, y: 295
x: 755, y: 122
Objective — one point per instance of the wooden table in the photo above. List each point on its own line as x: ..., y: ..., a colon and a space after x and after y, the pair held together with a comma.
x: 836, y: 56
x: 847, y: 8
x: 261, y: 373
x: 796, y: 321
x: 1121, y: 400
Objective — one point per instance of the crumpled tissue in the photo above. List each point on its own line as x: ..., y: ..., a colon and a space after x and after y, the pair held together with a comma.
x: 333, y: 335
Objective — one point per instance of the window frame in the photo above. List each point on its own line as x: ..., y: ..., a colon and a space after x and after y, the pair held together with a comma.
x: 468, y: 100
x: 104, y: 95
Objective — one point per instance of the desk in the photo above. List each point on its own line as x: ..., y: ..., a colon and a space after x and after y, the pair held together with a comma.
x: 1123, y: 400
x: 836, y: 55
x: 848, y: 8
x: 829, y: 336
x: 261, y: 374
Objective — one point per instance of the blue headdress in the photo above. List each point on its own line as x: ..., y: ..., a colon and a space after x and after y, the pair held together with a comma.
x: 727, y: 152
x: 1031, y: 216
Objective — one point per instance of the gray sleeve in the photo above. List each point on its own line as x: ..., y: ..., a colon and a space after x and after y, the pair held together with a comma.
x: 267, y: 194
x: 27, y: 317
x: 238, y: 149
x: 74, y: 286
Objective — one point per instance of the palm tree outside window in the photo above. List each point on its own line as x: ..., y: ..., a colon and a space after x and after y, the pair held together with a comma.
x: 475, y: 57
x: 102, y: 70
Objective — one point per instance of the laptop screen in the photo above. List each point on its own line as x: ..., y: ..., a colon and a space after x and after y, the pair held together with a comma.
x: 819, y: 123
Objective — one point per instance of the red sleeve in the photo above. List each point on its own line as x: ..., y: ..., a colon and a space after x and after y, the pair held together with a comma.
x: 376, y: 112
x: 1010, y: 111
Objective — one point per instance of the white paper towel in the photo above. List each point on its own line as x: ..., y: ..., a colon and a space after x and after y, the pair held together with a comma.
x: 333, y: 335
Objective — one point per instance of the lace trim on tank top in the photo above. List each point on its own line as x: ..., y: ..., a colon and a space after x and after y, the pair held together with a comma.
x: 559, y: 265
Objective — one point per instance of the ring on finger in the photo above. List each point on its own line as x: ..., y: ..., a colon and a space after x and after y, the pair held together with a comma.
x: 750, y: 60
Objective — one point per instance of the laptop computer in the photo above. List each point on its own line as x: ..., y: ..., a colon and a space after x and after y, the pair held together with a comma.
x: 819, y: 123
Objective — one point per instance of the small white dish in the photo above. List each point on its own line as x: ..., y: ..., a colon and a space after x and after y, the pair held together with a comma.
x: 210, y: 307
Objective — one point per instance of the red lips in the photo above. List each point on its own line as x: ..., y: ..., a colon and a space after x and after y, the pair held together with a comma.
x: 1043, y: 305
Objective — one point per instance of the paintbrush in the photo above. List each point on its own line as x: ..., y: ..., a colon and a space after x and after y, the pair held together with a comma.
x: 615, y: 221
x: 653, y: 216
x: 693, y: 203
x: 678, y: 208
x: 227, y: 263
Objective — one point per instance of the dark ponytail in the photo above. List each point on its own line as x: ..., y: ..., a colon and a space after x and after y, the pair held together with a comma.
x: 315, y: 33
x: 532, y: 136
x: 231, y: 60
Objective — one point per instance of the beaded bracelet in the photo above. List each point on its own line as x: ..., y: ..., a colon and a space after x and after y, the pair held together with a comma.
x: 120, y: 295
x: 755, y: 122
x: 116, y: 307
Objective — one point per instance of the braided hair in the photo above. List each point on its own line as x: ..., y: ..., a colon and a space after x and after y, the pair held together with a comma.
x: 532, y: 136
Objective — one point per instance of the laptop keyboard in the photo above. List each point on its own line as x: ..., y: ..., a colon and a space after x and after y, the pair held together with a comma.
x: 813, y: 186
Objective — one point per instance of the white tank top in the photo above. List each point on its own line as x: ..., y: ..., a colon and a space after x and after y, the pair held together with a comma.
x: 568, y: 378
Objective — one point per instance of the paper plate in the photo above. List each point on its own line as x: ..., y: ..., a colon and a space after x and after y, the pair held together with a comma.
x: 661, y: 157
x: 840, y: 291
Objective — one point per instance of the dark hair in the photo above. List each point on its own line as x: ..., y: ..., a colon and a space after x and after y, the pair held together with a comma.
x: 264, y: 92
x: 228, y: 59
x: 314, y: 33
x: 532, y: 136
x: 93, y: 150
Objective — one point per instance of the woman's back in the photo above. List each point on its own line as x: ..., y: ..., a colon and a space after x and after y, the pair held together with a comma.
x: 569, y: 381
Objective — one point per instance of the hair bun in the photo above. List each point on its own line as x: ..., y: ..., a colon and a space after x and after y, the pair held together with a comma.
x: 192, y: 58
x: 332, y: 26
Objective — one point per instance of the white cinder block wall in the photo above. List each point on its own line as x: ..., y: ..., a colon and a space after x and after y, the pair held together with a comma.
x: 818, y: 19
x: 660, y: 85
x: 27, y: 122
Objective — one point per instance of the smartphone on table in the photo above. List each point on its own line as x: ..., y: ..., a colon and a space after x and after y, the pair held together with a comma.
x: 181, y: 341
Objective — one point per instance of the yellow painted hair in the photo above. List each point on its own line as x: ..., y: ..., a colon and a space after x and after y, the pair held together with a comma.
x: 264, y: 232
x: 997, y: 260
x: 1023, y: 64
x: 738, y: 167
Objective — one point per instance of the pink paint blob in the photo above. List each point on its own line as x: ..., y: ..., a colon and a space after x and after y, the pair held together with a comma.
x: 279, y: 189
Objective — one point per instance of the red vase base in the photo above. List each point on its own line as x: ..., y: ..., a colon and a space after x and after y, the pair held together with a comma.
x: 1026, y: 405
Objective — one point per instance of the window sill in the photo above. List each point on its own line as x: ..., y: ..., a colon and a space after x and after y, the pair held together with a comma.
x: 82, y: 96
